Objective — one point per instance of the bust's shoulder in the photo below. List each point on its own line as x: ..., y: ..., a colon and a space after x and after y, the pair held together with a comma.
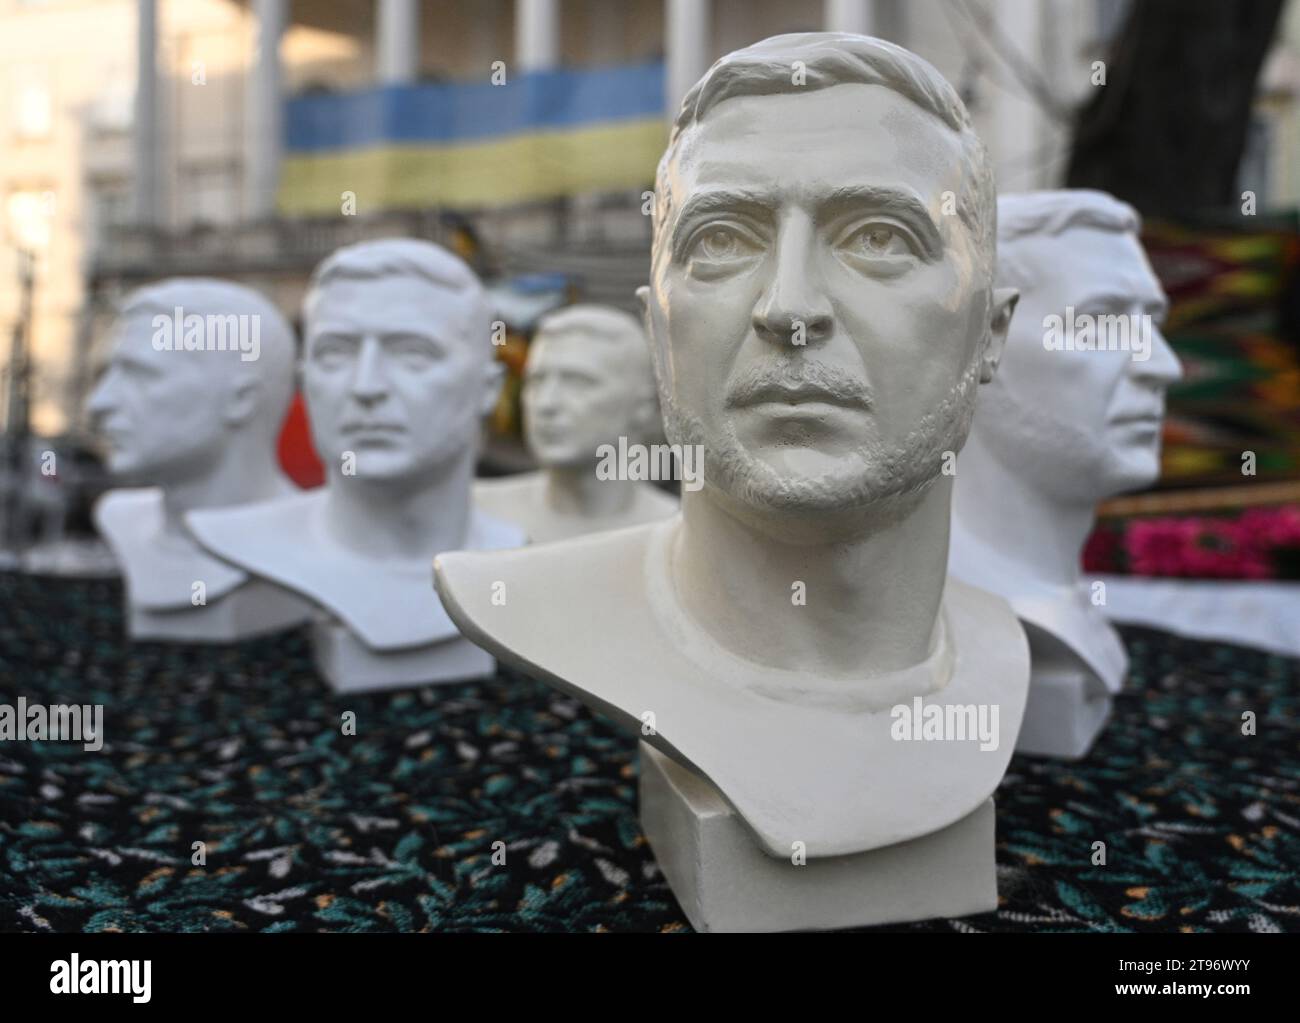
x: 575, y: 562
x: 556, y: 583
x: 134, y: 506
x: 275, y: 515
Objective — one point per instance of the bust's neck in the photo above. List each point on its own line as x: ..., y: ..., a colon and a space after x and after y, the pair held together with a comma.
x: 409, y: 519
x: 244, y: 474
x: 869, y: 595
x: 576, y: 490
x: 1001, y: 518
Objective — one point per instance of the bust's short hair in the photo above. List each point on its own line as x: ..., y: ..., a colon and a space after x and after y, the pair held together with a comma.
x: 839, y: 58
x: 606, y: 325
x: 407, y: 257
x: 1050, y: 213
x: 208, y: 296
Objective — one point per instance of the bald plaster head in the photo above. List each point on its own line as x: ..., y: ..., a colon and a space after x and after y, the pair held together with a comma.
x: 587, y: 382
x: 198, y: 368
x: 1081, y: 418
x: 398, y: 368
x: 821, y: 305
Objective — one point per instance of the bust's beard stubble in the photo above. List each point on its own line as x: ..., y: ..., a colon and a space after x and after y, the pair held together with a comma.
x: 890, y: 475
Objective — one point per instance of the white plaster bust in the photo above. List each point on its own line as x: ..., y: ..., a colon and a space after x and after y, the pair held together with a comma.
x: 820, y: 327
x: 190, y: 405
x: 587, y: 383
x: 1059, y: 430
x: 397, y: 374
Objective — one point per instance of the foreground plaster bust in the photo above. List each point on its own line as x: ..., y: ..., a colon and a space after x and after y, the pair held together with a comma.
x: 588, y: 384
x: 1073, y: 417
x: 820, y: 327
x: 397, y: 374
x: 190, y: 404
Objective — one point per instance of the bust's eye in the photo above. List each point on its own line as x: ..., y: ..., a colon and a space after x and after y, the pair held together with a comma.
x: 722, y: 245
x: 719, y: 243
x: 875, y: 241
x: 331, y: 351
x: 413, y: 352
x: 878, y: 248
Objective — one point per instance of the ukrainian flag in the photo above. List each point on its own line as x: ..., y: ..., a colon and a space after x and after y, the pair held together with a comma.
x: 538, y: 136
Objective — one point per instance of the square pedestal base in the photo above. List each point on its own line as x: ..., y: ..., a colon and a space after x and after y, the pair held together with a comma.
x: 252, y: 609
x: 349, y: 666
x: 726, y: 882
x: 1065, y: 713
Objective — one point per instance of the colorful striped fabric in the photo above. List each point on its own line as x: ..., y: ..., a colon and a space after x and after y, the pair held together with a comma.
x: 537, y: 136
x: 1233, y: 303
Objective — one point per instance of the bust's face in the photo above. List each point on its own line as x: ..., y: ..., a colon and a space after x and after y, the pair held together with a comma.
x: 390, y: 375
x: 1085, y: 424
x: 160, y: 413
x: 817, y: 318
x: 577, y: 396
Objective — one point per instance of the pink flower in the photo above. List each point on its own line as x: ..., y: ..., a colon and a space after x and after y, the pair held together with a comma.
x: 1273, y: 527
x: 1157, y: 546
x: 1221, y: 549
x: 1198, y: 547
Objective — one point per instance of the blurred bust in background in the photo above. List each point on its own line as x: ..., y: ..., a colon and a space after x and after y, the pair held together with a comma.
x: 398, y: 372
x: 189, y: 407
x: 588, y: 386
x: 1073, y: 417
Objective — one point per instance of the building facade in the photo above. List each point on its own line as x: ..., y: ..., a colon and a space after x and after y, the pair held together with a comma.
x: 146, y: 138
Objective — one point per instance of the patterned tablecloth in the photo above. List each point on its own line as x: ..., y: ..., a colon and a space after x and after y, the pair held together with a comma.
x: 394, y: 828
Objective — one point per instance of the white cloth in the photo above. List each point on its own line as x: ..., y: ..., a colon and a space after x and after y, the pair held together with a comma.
x: 1259, y: 614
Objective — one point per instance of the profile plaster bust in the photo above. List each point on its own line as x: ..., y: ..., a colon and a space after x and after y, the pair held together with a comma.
x: 1073, y: 417
x: 820, y: 327
x: 588, y: 383
x: 397, y: 374
x: 189, y: 406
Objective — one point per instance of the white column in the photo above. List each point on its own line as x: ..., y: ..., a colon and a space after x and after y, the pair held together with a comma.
x: 397, y: 41
x: 144, y: 135
x: 608, y: 23
x: 849, y: 16
x: 1022, y: 142
x: 264, y: 111
x: 688, y: 46
x: 537, y: 34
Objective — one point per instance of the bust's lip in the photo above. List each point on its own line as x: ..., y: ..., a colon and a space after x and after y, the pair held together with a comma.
x: 798, y: 394
x: 549, y: 432
x: 373, y: 427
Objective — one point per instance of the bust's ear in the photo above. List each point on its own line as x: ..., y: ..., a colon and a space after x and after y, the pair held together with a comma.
x: 657, y: 354
x: 242, y: 400
x: 1001, y: 309
x: 494, y: 377
x: 647, y: 324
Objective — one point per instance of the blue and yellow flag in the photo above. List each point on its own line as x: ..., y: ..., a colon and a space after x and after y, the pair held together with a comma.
x: 538, y: 136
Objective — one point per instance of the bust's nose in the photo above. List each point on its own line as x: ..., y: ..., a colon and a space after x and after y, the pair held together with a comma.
x: 103, y: 400
x: 793, y: 308
x: 369, y: 381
